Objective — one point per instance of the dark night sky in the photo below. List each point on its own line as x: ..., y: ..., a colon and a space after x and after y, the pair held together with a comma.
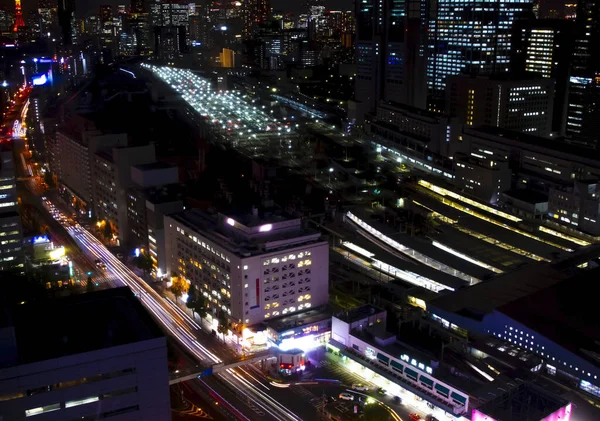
x: 85, y: 7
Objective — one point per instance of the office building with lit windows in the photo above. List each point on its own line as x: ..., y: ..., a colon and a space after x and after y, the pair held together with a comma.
x: 11, y: 235
x: 108, y: 367
x: 565, y: 174
x: 472, y: 36
x: 544, y: 47
x: 112, y: 177
x: 512, y: 102
x: 250, y: 267
x: 390, y: 55
x: 583, y: 109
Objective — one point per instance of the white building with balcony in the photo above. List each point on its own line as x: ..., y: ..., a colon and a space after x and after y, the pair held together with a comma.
x: 251, y: 268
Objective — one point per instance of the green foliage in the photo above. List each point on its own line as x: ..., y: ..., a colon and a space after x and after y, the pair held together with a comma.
x: 144, y: 262
x: 223, y: 323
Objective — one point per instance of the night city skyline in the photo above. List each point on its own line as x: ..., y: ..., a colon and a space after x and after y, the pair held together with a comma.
x: 86, y: 7
x: 263, y: 210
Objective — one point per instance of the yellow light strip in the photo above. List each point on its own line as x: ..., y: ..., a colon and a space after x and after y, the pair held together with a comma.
x: 500, y: 244
x: 483, y: 237
x: 445, y: 192
x: 478, y: 215
x: 565, y: 236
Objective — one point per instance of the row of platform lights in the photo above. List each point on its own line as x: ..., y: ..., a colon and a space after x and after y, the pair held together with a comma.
x: 482, y: 237
x: 445, y: 192
x: 420, y: 257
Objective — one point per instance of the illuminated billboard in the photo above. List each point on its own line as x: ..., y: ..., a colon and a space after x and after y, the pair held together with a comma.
x: 40, y: 80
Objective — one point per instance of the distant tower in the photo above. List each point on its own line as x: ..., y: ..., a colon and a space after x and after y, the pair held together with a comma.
x: 19, y: 22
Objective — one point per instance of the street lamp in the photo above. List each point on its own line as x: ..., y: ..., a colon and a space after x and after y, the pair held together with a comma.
x: 330, y: 171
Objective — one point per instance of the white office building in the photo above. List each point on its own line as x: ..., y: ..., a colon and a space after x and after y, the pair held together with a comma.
x: 251, y: 268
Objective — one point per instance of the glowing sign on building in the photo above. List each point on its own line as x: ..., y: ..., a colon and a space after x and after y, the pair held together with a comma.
x: 41, y: 239
x: 40, y: 80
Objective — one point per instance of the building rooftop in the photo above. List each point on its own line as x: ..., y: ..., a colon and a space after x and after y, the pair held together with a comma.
x: 163, y: 194
x: 359, y: 313
x: 299, y: 319
x: 445, y: 372
x: 154, y: 166
x: 528, y: 196
x: 565, y: 313
x: 525, y: 402
x: 55, y: 328
x: 557, y: 144
x: 245, y: 241
x: 483, y: 298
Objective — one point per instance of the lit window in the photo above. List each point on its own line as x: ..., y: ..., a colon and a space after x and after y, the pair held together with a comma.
x: 91, y: 399
x: 42, y: 409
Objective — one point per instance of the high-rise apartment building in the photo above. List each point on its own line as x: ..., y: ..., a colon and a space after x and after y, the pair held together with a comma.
x: 11, y: 236
x: 545, y: 47
x: 390, y: 54
x: 472, y: 36
x: 515, y: 103
x: 249, y: 267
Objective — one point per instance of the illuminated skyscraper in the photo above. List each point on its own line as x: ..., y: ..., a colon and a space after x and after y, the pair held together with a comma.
x: 545, y: 47
x: 390, y: 54
x: 471, y: 36
x: 583, y: 112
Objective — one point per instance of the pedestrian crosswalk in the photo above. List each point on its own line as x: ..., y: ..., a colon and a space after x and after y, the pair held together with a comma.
x: 302, y: 391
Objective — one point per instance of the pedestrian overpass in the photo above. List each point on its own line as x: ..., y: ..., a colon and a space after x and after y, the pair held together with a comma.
x: 222, y: 366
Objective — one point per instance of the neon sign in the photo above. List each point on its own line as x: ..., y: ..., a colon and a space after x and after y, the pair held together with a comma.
x: 41, y: 239
x: 40, y: 80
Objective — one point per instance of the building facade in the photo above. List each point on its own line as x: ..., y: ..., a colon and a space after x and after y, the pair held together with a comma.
x: 544, y: 47
x: 524, y: 105
x: 11, y: 233
x: 119, y: 370
x: 468, y: 36
x: 390, y: 54
x: 251, y: 270
x: 112, y: 179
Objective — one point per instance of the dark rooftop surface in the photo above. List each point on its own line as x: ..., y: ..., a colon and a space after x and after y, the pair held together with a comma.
x: 528, y: 196
x: 154, y: 166
x: 359, y: 313
x: 300, y: 319
x: 80, y: 323
x: 525, y: 402
x: 565, y: 313
x: 555, y: 144
x: 485, y: 297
